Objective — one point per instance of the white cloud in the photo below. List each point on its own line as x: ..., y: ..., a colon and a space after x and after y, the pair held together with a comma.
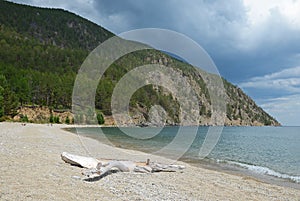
x: 285, y: 109
x: 223, y: 26
x: 287, y: 80
x: 285, y: 86
x: 259, y: 11
x: 274, y: 23
x: 287, y: 73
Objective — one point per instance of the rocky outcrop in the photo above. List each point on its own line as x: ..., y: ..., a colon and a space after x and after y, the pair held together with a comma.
x: 40, y: 114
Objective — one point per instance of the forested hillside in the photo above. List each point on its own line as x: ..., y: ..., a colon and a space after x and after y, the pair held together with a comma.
x: 41, y: 51
x: 52, y: 26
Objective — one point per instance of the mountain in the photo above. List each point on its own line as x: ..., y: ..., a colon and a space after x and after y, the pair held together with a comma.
x: 41, y: 51
x: 52, y: 26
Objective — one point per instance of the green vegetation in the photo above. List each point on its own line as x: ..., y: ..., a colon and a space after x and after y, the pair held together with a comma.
x: 1, y: 101
x: 41, y: 51
x: 8, y: 100
x: 100, y: 119
x: 52, y: 26
x: 55, y: 119
x: 241, y: 107
x: 67, y: 120
x: 51, y: 119
x: 24, y: 118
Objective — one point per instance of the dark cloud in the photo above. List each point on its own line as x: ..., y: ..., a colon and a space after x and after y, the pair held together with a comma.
x: 136, y: 14
x: 218, y: 27
x: 240, y: 50
x: 214, y: 25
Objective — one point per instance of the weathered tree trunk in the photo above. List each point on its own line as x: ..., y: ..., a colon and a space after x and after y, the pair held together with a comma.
x: 86, y: 162
x: 101, y: 167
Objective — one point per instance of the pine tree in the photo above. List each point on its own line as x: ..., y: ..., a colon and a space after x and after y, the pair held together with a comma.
x: 100, y: 119
x: 67, y: 120
x: 9, y: 102
x: 56, y: 120
x: 1, y: 102
x: 51, y: 120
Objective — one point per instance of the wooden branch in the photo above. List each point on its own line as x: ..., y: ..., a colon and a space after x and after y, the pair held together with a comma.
x: 102, y: 167
x: 86, y: 162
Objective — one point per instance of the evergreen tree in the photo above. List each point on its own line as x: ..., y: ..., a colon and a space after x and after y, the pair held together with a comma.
x: 24, y: 118
x: 51, y: 120
x: 1, y: 102
x: 56, y: 120
x: 67, y: 120
x: 100, y: 119
x: 9, y: 101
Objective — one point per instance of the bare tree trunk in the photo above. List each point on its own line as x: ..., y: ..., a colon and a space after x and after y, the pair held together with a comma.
x: 101, y: 167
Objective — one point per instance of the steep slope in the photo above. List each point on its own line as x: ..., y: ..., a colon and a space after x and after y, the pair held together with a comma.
x: 41, y: 51
x: 52, y: 26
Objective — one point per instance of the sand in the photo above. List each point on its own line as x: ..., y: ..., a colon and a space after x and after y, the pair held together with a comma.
x: 31, y: 169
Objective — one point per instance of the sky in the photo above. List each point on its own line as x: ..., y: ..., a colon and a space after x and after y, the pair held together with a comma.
x: 255, y: 44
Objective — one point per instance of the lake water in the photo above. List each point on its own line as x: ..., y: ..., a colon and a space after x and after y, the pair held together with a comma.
x: 272, y: 151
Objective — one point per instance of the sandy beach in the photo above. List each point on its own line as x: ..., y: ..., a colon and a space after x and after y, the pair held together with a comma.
x: 31, y: 169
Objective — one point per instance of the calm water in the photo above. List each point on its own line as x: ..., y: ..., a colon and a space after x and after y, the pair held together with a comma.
x: 273, y: 151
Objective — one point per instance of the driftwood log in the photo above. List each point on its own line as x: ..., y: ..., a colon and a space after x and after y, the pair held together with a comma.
x: 102, y: 167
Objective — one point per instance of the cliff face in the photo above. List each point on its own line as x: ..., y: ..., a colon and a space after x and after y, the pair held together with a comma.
x: 42, y: 114
x: 44, y: 48
x: 240, y: 110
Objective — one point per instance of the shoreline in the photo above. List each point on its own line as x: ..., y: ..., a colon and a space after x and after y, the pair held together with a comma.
x: 229, y: 167
x: 242, y: 172
x: 33, y: 170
